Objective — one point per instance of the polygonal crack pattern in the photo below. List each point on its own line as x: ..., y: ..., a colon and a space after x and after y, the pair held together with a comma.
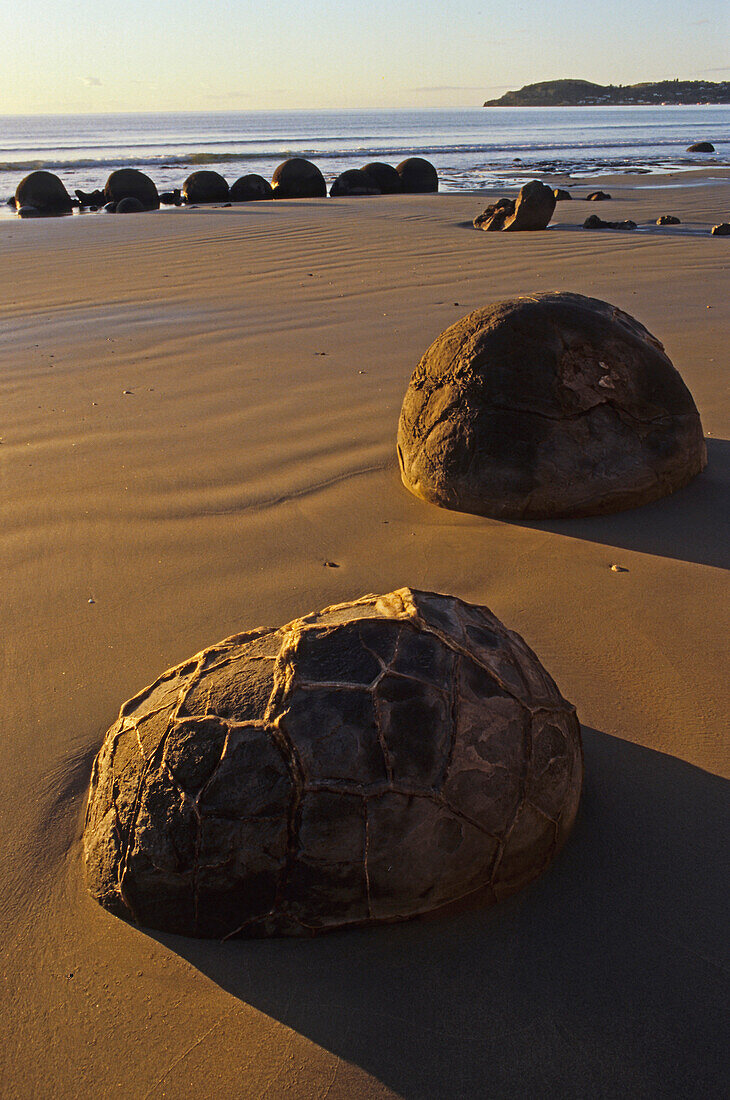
x: 368, y: 762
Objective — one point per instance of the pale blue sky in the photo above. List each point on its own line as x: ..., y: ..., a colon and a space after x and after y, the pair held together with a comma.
x: 146, y: 55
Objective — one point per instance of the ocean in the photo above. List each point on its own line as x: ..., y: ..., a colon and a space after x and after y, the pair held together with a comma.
x: 473, y: 148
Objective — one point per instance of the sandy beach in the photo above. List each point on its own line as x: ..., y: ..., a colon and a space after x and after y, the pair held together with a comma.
x: 199, y: 411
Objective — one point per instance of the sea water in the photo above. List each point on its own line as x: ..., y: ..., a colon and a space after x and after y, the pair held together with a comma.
x: 472, y: 148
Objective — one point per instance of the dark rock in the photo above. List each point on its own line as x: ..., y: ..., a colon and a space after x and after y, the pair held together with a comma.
x: 29, y: 212
x: 46, y: 192
x: 561, y: 195
x: 129, y: 206
x: 129, y: 183
x: 355, y: 181
x: 171, y: 198
x: 251, y: 188
x: 495, y: 215
x: 721, y: 230
x: 701, y: 147
x: 298, y: 178
x: 205, y: 187
x: 533, y: 210
x: 110, y: 208
x: 385, y: 176
x: 544, y: 406
x: 598, y: 196
x: 668, y: 219
x: 418, y: 176
x: 373, y: 761
x: 91, y: 198
x: 594, y: 222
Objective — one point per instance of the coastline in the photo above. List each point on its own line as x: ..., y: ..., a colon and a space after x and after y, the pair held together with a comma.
x: 199, y: 412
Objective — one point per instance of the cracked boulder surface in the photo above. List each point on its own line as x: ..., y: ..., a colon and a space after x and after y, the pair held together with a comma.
x: 547, y: 406
x: 366, y: 763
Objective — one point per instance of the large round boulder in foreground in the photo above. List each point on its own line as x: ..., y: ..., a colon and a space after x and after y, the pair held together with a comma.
x: 545, y: 406
x: 418, y: 176
x: 298, y: 178
x: 45, y: 192
x: 130, y: 183
x: 367, y: 763
x: 205, y: 187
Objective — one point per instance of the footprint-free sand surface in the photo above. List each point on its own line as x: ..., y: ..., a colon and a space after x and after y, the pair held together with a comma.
x: 198, y: 416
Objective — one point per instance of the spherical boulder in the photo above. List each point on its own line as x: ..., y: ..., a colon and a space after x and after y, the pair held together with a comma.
x: 598, y: 196
x: 354, y: 181
x: 546, y: 406
x: 129, y: 206
x: 298, y: 178
x: 385, y: 176
x: 701, y: 147
x: 45, y: 192
x: 721, y: 230
x: 668, y: 219
x: 250, y: 188
x: 367, y: 763
x: 418, y: 176
x: 205, y: 187
x: 130, y: 183
x: 561, y: 195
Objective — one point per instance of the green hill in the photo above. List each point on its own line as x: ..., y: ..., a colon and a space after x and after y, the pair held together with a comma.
x: 583, y: 93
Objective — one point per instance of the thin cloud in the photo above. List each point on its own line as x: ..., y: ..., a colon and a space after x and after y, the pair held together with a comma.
x: 227, y: 98
x: 450, y: 88
x: 92, y: 81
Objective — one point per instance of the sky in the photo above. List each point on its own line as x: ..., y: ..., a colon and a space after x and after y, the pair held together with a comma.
x: 59, y: 56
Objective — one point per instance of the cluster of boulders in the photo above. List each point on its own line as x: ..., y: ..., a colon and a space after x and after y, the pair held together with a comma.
x: 43, y: 194
x: 536, y: 203
x: 389, y: 755
x: 533, y: 209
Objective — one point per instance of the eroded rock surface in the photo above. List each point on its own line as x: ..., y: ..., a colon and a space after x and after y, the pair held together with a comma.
x: 544, y: 406
x: 533, y: 209
x: 369, y: 762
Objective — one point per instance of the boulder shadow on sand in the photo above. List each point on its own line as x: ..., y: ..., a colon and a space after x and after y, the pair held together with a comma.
x: 607, y: 977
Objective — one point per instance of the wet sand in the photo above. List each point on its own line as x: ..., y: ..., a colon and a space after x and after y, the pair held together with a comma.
x: 198, y: 411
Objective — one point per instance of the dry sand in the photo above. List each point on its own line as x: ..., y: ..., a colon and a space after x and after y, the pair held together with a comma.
x: 266, y: 349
